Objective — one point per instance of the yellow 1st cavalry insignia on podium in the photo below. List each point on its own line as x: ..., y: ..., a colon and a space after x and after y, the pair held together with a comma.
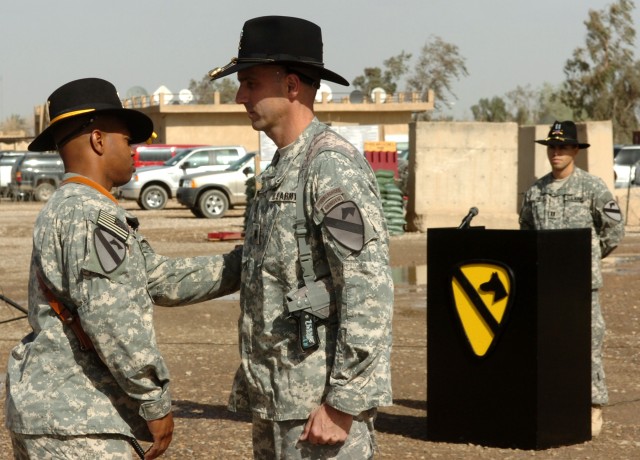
x: 482, y: 293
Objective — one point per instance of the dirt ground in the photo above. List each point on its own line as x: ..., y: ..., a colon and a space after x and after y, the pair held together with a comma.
x: 200, y: 345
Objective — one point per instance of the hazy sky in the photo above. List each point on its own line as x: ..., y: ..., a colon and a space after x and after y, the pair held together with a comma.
x: 147, y: 43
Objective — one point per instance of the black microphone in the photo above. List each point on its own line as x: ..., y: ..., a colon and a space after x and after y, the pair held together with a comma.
x: 467, y: 219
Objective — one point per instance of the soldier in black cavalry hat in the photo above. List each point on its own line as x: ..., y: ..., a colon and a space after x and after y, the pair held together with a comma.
x: 317, y: 296
x: 89, y: 379
x: 569, y: 197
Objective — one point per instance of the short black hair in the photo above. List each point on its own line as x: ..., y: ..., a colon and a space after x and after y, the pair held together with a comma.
x: 307, y: 76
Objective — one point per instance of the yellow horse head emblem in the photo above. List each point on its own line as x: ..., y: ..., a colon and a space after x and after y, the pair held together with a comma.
x: 482, y: 294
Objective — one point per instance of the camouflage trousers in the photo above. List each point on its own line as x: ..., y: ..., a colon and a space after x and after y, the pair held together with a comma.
x: 599, y: 394
x: 85, y: 447
x: 279, y: 441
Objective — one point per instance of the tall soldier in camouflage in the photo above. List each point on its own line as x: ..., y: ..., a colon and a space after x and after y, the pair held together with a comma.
x: 569, y: 197
x: 86, y: 387
x: 317, y: 295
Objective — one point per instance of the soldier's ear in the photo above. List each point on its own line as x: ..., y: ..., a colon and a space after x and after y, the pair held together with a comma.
x: 97, y: 139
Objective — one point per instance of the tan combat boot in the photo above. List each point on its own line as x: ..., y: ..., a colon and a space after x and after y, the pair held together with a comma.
x: 596, y: 420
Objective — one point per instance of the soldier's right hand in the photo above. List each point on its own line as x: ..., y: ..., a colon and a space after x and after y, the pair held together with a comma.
x: 162, y: 432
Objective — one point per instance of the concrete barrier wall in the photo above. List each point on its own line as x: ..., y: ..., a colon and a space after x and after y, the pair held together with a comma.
x: 454, y: 166
x: 598, y: 158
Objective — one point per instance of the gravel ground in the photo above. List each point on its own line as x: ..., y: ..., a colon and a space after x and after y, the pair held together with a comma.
x: 200, y: 345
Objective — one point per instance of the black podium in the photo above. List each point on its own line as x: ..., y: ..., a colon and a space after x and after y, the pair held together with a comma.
x: 509, y: 337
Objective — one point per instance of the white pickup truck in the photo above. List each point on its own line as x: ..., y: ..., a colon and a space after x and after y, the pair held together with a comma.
x: 7, y: 159
x: 153, y: 186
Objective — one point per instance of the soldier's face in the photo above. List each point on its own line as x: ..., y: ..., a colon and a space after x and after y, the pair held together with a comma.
x: 263, y: 92
x: 561, y: 157
x: 118, y: 152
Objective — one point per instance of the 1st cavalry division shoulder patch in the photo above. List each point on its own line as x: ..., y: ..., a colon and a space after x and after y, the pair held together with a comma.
x: 344, y: 222
x: 482, y: 293
x: 612, y: 211
x: 109, y: 240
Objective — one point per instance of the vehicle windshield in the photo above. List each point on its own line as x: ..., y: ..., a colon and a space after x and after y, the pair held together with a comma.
x: 236, y: 165
x: 627, y: 157
x: 179, y: 156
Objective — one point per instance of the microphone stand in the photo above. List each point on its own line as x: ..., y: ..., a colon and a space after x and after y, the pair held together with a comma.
x: 16, y: 306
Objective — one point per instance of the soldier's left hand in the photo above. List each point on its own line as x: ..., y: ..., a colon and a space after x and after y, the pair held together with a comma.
x: 162, y: 432
x: 327, y: 425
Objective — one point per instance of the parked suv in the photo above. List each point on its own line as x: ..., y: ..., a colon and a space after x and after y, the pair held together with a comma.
x: 153, y: 186
x: 7, y: 159
x: 624, y: 165
x: 157, y: 154
x: 36, y: 174
x: 211, y: 194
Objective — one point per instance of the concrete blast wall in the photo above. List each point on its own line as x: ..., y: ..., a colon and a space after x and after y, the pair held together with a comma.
x: 454, y: 166
x: 459, y: 165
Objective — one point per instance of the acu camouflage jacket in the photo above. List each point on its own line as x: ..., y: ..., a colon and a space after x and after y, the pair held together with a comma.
x: 583, y: 201
x: 90, y: 255
x: 351, y: 368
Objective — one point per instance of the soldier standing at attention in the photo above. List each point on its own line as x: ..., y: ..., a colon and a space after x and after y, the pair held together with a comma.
x: 89, y: 378
x: 569, y: 197
x: 317, y: 295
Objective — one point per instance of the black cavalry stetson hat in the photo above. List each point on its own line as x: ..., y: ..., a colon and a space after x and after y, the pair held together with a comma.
x: 279, y: 40
x: 85, y: 96
x: 563, y: 133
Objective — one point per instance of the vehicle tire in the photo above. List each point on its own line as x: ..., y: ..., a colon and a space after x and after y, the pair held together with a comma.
x: 44, y: 191
x: 213, y: 204
x: 153, y: 197
x: 196, y: 212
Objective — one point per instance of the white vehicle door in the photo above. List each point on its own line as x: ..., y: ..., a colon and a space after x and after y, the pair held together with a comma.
x: 210, y: 160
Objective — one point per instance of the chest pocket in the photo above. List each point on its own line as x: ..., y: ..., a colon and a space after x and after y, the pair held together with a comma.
x: 562, y: 211
x: 577, y: 211
x: 270, y: 237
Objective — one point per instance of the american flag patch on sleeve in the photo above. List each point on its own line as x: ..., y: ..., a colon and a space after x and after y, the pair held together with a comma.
x: 116, y: 227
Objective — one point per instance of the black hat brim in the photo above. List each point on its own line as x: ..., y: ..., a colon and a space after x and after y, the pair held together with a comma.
x: 140, y: 128
x: 554, y: 142
x: 323, y: 73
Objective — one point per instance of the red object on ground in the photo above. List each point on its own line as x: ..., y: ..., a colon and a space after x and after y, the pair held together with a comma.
x: 219, y: 236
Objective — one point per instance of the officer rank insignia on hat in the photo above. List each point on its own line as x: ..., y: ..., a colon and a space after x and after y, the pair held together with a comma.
x: 557, y: 130
x: 109, y: 240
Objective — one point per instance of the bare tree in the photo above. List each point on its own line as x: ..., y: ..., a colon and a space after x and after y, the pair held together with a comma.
x: 14, y: 122
x: 438, y: 66
x: 204, y: 89
x: 494, y: 109
x: 603, y: 78
x: 387, y: 79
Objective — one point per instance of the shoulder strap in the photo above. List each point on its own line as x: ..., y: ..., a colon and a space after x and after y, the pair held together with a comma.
x: 300, y: 227
x: 66, y: 316
x: 316, y: 147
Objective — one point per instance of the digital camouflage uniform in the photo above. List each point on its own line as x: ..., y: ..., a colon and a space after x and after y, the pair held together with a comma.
x: 351, y: 368
x: 92, y: 258
x: 583, y: 201
x: 85, y: 447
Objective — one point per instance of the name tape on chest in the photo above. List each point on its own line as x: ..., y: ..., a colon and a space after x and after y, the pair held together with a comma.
x: 283, y: 197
